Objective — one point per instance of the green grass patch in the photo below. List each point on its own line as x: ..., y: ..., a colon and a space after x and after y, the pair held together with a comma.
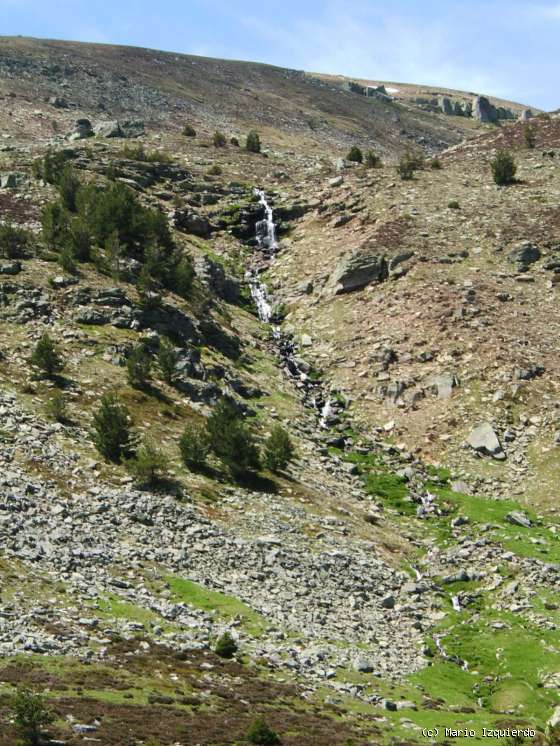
x: 221, y: 604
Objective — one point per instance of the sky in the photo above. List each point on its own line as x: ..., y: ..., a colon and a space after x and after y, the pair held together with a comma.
x: 507, y: 49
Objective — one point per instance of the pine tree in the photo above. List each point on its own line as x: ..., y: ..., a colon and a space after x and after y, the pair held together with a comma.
x: 149, y: 463
x: 30, y: 715
x: 232, y: 441
x: 253, y: 142
x: 54, y: 224
x: 503, y: 168
x: 111, y: 431
x: 45, y: 356
x: 226, y: 647
x: 68, y: 187
x: 219, y: 139
x: 279, y: 450
x: 194, y: 446
x: 167, y: 358
x: 355, y: 154
x: 262, y: 734
x: 139, y: 366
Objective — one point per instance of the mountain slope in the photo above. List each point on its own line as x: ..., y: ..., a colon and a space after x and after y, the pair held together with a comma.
x: 387, y: 581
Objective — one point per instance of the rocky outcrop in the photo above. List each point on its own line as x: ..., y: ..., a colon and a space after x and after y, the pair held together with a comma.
x: 190, y: 221
x: 483, y: 110
x: 216, y: 279
x: 356, y: 271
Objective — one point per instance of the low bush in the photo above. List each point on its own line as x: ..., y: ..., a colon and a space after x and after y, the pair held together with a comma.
x: 355, y: 154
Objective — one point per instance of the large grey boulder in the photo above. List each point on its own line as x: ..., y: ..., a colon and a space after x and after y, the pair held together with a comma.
x: 132, y: 127
x: 108, y: 129
x: 82, y: 130
x: 525, y: 115
x: 190, y: 221
x: 483, y: 110
x: 356, y: 271
x: 484, y: 440
x: 517, y: 518
x: 123, y: 128
x: 443, y: 385
x: 525, y: 253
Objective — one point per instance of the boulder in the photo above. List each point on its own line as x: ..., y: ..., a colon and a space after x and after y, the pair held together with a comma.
x: 524, y: 254
x: 443, y: 385
x: 132, y: 127
x: 191, y: 222
x: 525, y: 115
x: 362, y: 665
x: 358, y: 270
x: 483, y: 110
x: 484, y: 440
x: 58, y: 102
x: 517, y: 518
x: 11, y: 268
x: 82, y: 130
x: 108, y: 129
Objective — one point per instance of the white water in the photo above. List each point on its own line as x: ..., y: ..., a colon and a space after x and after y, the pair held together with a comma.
x: 265, y: 234
x: 266, y: 229
x: 326, y: 412
x: 456, y: 603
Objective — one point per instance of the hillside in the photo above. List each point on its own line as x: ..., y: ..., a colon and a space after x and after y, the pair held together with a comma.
x: 397, y: 574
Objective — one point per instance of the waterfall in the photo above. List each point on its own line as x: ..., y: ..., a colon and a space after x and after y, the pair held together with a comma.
x: 456, y: 603
x: 266, y: 229
x: 326, y: 412
x: 312, y: 391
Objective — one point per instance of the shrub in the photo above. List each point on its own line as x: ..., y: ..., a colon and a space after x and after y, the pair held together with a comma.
x: 14, y: 241
x: 79, y: 239
x: 189, y: 131
x: 219, y: 139
x: 529, y: 136
x: 232, y: 441
x: 372, y: 160
x: 194, y: 446
x: 111, y: 433
x: 67, y: 260
x: 214, y: 170
x: 167, y: 358
x: 226, y: 647
x: 355, y: 154
x: 50, y: 167
x: 149, y: 463
x: 262, y: 734
x: 253, y: 142
x: 234, y: 141
x: 55, y: 224
x: 279, y: 449
x: 408, y: 164
x: 436, y: 164
x: 68, y: 186
x: 139, y: 366
x: 45, y: 356
x: 503, y: 168
x: 31, y: 715
x: 453, y: 204
x: 56, y: 407
x: 183, y: 277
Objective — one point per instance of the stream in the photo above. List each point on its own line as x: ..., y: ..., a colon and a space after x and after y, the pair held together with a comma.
x: 314, y: 393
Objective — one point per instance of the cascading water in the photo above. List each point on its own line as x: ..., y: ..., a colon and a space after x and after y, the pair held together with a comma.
x: 266, y: 229
x: 267, y: 244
